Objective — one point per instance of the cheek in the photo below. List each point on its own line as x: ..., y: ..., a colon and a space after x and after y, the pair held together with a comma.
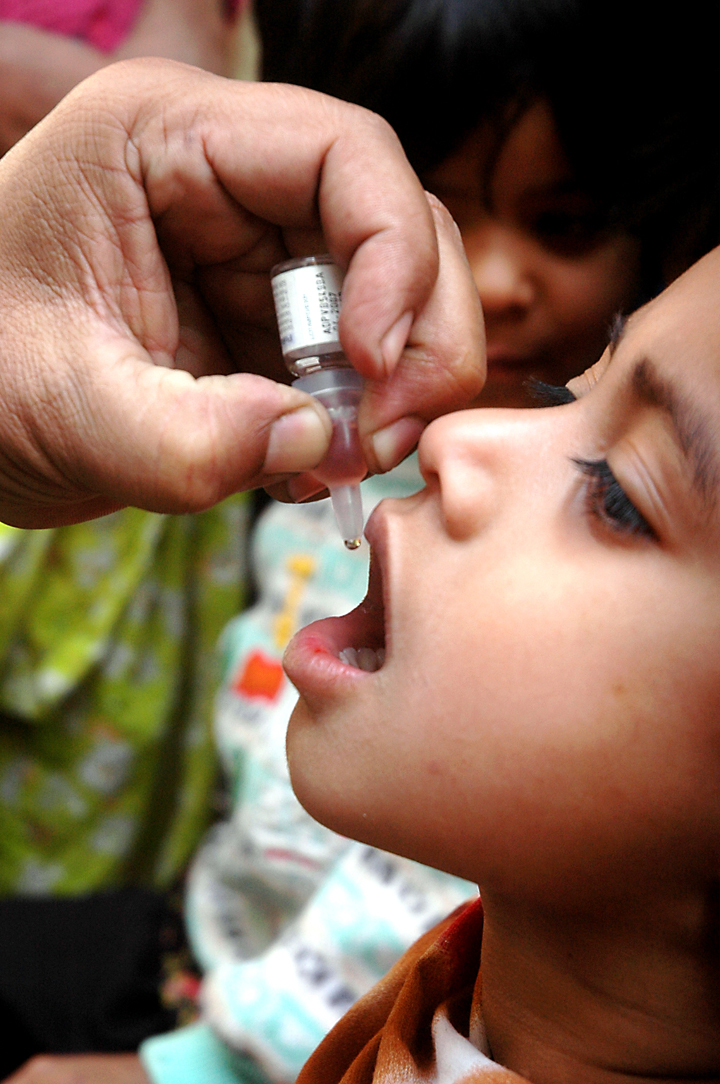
x: 584, y: 294
x: 551, y: 716
x: 348, y: 766
x: 527, y: 718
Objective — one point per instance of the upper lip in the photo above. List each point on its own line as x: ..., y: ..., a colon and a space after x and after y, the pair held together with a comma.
x: 376, y: 532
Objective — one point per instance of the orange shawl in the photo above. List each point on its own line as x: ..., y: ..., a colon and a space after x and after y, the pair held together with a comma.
x: 422, y: 1023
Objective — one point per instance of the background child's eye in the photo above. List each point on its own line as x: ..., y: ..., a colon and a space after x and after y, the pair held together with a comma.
x: 568, y: 233
x: 609, y: 502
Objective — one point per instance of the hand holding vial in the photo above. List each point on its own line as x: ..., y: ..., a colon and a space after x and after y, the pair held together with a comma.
x: 440, y: 368
x: 141, y: 219
x: 307, y: 294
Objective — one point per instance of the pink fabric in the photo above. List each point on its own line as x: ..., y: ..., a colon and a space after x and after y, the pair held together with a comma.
x: 101, y: 23
x: 232, y: 8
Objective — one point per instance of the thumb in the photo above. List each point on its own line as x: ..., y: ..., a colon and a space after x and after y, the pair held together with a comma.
x: 188, y: 443
x: 127, y: 432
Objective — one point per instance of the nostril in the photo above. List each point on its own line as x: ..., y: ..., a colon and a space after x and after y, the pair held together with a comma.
x: 467, y: 489
x: 434, y: 446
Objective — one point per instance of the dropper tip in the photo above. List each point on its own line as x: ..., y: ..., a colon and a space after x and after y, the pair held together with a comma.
x: 347, y: 505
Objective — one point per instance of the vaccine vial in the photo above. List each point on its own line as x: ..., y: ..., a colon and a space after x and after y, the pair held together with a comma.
x: 307, y: 294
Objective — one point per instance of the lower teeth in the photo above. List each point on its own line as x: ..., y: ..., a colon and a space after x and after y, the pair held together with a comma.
x: 364, y: 658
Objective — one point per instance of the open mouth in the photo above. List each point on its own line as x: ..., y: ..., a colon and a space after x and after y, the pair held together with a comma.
x: 322, y: 657
x: 364, y: 628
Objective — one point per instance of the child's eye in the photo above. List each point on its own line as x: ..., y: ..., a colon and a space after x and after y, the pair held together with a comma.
x: 609, y: 502
x: 567, y: 233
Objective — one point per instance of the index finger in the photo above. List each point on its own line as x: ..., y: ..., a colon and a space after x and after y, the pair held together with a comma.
x: 443, y: 364
x: 298, y: 159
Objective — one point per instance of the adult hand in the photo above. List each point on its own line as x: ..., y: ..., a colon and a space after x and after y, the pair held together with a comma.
x: 81, y: 1069
x: 140, y: 222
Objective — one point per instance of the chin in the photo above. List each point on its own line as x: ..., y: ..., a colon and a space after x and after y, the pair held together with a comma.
x: 343, y: 800
x: 321, y: 790
x: 350, y: 803
x: 305, y: 762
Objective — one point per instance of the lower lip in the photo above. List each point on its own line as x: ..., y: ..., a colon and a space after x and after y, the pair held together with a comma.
x: 311, y: 660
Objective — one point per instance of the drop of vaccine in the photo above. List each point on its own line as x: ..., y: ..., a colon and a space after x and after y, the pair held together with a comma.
x: 352, y: 543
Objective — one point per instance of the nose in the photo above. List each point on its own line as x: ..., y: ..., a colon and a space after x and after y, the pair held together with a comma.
x: 501, y: 270
x: 483, y: 463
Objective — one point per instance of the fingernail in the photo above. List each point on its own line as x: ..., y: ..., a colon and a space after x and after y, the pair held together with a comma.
x: 298, y: 441
x: 393, y: 342
x: 393, y: 443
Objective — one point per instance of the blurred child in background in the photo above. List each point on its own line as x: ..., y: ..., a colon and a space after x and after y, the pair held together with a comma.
x: 568, y: 138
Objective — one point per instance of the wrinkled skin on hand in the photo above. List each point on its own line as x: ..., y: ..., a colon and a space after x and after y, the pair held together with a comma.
x: 138, y: 350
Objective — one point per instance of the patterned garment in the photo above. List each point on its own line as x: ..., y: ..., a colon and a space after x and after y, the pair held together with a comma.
x: 422, y: 1024
x: 107, y: 673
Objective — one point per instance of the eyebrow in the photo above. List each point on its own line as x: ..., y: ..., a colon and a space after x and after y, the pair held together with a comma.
x: 694, y: 434
x: 692, y: 431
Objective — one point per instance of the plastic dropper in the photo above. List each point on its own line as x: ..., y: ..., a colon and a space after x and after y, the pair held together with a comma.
x: 307, y: 296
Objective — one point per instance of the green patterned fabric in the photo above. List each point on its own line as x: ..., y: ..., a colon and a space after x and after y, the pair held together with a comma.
x: 107, y: 674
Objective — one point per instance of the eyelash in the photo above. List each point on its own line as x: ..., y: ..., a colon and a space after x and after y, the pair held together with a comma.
x: 609, y: 503
x: 548, y: 395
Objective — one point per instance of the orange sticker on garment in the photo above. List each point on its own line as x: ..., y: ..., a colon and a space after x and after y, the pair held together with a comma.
x: 261, y: 676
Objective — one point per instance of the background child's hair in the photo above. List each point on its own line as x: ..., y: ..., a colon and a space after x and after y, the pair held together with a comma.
x: 630, y: 84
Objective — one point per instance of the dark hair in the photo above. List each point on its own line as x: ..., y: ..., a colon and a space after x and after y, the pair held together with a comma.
x: 631, y: 87
x: 432, y: 68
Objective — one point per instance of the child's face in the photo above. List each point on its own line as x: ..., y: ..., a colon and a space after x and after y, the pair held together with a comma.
x: 549, y: 279
x: 550, y: 609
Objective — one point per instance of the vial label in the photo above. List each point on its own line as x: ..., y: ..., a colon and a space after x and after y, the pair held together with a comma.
x: 307, y: 303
